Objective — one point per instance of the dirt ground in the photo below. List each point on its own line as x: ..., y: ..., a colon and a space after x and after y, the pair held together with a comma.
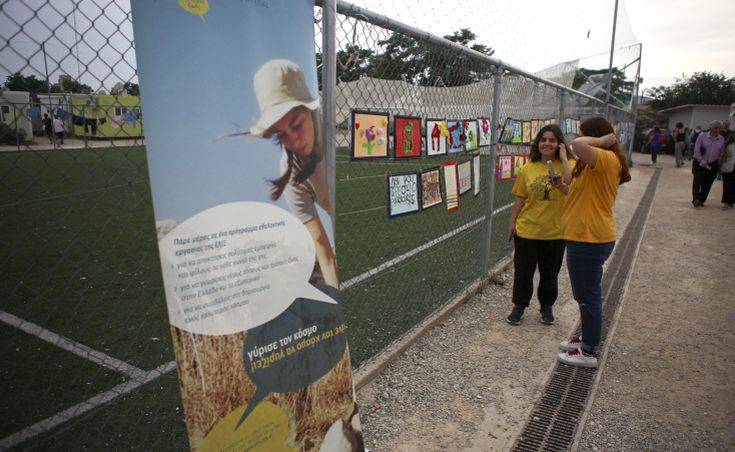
x: 668, y: 382
x: 470, y: 383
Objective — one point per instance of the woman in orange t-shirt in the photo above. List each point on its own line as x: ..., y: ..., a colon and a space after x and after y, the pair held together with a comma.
x: 588, y: 227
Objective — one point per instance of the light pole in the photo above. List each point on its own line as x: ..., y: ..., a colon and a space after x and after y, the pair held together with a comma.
x: 609, y: 69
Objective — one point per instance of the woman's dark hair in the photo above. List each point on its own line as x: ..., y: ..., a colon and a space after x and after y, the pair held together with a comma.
x: 535, y: 153
x: 599, y: 127
x: 730, y: 138
x: 679, y: 125
x: 279, y: 184
x: 655, y: 129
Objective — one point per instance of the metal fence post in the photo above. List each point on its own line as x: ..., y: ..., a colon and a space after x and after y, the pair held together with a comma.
x: 494, y: 121
x: 562, y: 99
x: 329, y: 82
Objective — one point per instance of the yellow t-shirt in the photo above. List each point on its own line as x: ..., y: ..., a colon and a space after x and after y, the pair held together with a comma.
x: 588, y: 211
x: 540, y: 218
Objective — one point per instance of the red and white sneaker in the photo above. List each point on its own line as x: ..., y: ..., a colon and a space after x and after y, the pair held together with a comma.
x: 577, y: 357
x: 572, y: 344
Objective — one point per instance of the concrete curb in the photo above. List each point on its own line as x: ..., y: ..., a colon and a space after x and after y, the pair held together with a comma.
x: 375, y: 365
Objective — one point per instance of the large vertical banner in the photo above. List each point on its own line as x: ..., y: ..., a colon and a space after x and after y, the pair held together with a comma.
x: 240, y: 197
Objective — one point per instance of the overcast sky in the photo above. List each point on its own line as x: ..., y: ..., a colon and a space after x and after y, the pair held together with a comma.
x: 678, y: 36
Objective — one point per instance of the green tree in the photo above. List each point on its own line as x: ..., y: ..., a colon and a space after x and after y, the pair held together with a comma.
x: 405, y: 58
x: 71, y: 86
x: 132, y: 88
x: 621, y: 88
x: 29, y: 83
x: 352, y: 63
x: 450, y: 68
x: 701, y: 88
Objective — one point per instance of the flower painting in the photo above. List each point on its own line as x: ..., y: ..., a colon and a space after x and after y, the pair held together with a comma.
x: 369, y: 135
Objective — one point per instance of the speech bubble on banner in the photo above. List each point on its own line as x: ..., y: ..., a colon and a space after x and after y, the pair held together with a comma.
x: 235, y: 266
x: 198, y: 7
x: 295, y: 349
x: 267, y: 428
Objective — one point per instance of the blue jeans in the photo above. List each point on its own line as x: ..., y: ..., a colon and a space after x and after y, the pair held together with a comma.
x: 584, y: 262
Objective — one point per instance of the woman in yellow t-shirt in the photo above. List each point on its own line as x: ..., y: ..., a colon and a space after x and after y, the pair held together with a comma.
x: 535, y: 223
x: 589, y: 229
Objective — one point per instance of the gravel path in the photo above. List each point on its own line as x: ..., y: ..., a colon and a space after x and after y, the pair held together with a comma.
x: 470, y: 383
x: 668, y: 380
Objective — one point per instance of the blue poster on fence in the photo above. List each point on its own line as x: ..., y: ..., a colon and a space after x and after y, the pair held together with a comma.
x: 241, y: 203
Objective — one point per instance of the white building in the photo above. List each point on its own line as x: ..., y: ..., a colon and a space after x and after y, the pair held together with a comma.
x: 13, y: 105
x: 692, y: 115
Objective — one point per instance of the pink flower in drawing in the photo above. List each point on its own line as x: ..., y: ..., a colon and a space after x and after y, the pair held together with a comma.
x: 369, y: 140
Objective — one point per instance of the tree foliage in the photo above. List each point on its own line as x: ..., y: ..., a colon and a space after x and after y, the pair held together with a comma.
x: 401, y: 57
x: 31, y: 84
x: 700, y: 88
x: 621, y: 88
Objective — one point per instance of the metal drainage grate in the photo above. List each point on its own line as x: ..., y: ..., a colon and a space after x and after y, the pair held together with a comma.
x: 555, y: 418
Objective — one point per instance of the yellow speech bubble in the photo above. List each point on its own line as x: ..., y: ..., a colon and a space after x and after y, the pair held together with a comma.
x: 198, y: 7
x: 266, y: 429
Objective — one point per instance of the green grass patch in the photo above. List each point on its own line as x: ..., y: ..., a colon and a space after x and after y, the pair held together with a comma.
x: 39, y: 380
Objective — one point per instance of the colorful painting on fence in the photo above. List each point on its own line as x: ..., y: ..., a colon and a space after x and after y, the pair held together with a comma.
x: 476, y: 174
x: 506, y: 135
x: 431, y: 189
x: 517, y: 132
x: 436, y: 137
x: 534, y: 128
x: 369, y: 135
x: 505, y: 167
x: 527, y: 132
x: 403, y: 194
x: 407, y: 137
x: 518, y: 161
x: 485, y: 133
x: 464, y: 173
x: 451, y: 185
x: 471, y: 132
x: 456, y: 136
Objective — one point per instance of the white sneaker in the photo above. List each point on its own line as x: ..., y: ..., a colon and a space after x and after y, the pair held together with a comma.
x: 577, y: 358
x: 572, y: 344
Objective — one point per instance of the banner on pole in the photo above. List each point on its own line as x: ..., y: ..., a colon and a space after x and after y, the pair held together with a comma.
x: 241, y: 202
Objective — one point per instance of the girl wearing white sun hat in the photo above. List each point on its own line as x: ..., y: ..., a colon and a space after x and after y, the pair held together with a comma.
x: 290, y: 115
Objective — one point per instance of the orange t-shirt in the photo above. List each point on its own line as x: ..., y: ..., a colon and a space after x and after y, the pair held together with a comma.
x: 588, y: 210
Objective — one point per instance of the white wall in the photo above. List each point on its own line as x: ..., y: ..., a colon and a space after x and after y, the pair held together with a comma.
x: 16, y: 103
x: 704, y: 115
x: 698, y: 116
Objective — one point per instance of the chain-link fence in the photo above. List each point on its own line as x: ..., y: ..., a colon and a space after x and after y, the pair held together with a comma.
x: 86, y: 348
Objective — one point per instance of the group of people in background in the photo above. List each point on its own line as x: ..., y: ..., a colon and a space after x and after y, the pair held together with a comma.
x: 564, y: 202
x: 711, y: 152
x: 54, y: 128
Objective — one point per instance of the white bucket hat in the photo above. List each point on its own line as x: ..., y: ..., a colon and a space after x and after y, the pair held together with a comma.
x: 279, y: 86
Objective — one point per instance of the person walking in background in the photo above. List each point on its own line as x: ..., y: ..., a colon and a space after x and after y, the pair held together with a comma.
x: 48, y: 127
x: 708, y: 151
x: 654, y: 144
x: 59, y: 129
x: 535, y: 223
x: 692, y: 139
x: 725, y: 131
x: 679, y: 144
x: 727, y: 169
x: 588, y: 227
